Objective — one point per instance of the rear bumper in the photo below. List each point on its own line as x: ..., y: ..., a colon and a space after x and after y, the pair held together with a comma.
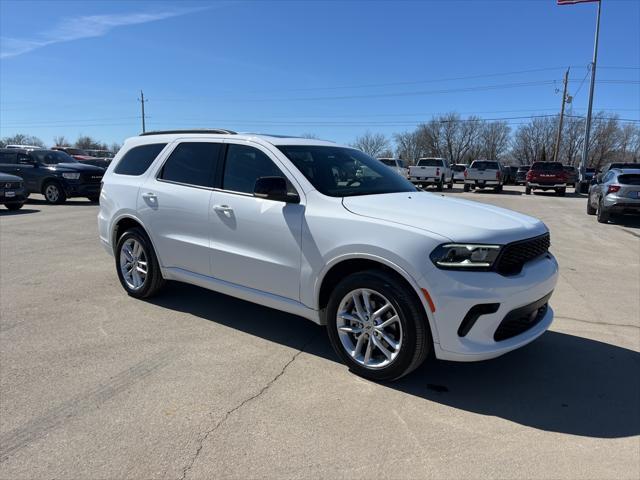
x: 483, y: 183
x: 424, y: 180
x: 545, y: 186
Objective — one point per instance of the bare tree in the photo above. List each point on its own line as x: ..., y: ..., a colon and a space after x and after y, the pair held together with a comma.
x: 407, y: 146
x: 572, y: 140
x: 373, y: 144
x: 114, y: 147
x: 605, y: 139
x: 60, y: 141
x: 534, y: 138
x: 85, y: 142
x: 494, y: 140
x: 629, y: 139
x: 21, y: 139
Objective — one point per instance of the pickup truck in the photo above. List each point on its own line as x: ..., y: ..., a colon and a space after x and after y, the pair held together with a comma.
x: 546, y: 176
x: 432, y: 171
x: 483, y: 173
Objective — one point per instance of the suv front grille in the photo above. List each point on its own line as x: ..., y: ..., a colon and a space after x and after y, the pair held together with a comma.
x: 91, y: 178
x: 515, y: 255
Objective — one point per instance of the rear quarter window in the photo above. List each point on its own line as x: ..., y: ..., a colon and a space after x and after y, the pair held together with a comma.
x: 629, y: 179
x: 138, y: 159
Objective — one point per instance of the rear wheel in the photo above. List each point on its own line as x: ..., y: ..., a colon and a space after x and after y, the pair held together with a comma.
x: 376, y: 326
x: 603, y: 214
x: 561, y: 192
x: 527, y: 190
x: 137, y: 265
x: 498, y: 189
x: 590, y: 209
x: 467, y: 187
x: 54, y: 193
x: 439, y: 184
x: 450, y: 185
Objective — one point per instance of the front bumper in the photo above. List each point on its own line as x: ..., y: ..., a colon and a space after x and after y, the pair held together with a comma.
x: 13, y: 195
x: 82, y: 189
x: 456, y: 292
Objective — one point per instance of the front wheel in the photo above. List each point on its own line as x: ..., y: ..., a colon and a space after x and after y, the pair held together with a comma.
x: 14, y: 206
x: 377, y: 326
x: 54, y: 193
x: 137, y: 265
x: 94, y: 199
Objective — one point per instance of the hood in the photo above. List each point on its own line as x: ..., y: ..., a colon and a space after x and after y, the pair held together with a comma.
x: 5, y: 177
x: 458, y: 220
x: 77, y: 167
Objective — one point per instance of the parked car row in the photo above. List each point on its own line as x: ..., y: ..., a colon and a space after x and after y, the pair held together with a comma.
x: 53, y: 173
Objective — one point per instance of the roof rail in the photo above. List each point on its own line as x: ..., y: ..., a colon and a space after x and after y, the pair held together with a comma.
x: 219, y: 131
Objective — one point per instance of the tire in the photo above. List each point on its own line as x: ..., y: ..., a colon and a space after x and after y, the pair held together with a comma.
x: 603, y: 215
x: 561, y: 192
x: 14, y: 206
x: 590, y: 209
x: 439, y: 185
x: 467, y: 187
x: 94, y: 199
x: 54, y: 193
x: 411, y: 329
x: 450, y: 185
x: 498, y: 189
x: 152, y: 281
x: 527, y: 190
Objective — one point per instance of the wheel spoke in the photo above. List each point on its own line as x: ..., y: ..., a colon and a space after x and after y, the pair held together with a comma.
x: 381, y: 310
x: 348, y: 329
x: 349, y: 317
x: 359, y: 344
x: 367, y: 355
x: 366, y: 298
x: 358, y: 304
x: 389, y: 321
x: 389, y: 340
x: 381, y: 347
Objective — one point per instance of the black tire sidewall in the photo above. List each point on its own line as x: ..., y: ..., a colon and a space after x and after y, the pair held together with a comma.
x: 62, y: 197
x: 409, y: 310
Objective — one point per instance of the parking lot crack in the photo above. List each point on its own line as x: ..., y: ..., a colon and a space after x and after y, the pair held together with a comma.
x: 225, y: 417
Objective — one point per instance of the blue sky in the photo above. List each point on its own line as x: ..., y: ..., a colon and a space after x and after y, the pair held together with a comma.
x: 335, y: 69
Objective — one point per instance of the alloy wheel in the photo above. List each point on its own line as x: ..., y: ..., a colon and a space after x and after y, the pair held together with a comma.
x: 369, y: 328
x: 133, y: 264
x: 52, y: 193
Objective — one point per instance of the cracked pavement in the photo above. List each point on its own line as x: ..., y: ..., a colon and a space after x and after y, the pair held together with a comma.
x: 195, y: 385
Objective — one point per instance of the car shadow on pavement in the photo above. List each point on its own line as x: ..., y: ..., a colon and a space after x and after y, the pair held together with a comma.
x: 22, y: 211
x: 559, y: 383
x: 505, y: 191
x: 71, y: 202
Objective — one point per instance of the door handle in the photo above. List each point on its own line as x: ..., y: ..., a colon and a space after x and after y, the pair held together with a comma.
x: 226, y: 209
x: 149, y: 195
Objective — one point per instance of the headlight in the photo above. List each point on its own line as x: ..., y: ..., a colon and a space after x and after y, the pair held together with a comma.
x: 71, y: 176
x: 462, y: 255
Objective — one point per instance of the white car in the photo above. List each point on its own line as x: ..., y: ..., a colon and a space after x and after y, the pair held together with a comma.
x: 458, y: 172
x: 432, y: 171
x: 396, y: 165
x: 332, y: 235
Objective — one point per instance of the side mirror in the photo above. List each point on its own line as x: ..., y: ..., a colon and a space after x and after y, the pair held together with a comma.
x: 274, y: 188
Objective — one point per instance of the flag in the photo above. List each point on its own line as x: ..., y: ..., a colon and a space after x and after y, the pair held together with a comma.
x: 571, y: 2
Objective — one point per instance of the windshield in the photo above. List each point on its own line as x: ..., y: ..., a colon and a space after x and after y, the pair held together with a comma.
x: 547, y: 167
x: 481, y: 164
x: 52, y: 157
x: 344, y: 172
x: 524, y: 168
x: 389, y: 163
x: 429, y: 162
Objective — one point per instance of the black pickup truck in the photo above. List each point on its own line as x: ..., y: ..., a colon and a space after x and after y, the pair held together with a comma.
x: 54, y: 174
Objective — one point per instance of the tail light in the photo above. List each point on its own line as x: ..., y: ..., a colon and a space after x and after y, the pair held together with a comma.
x: 437, y: 172
x: 529, y: 175
x: 465, y: 173
x: 613, y: 189
x: 498, y: 174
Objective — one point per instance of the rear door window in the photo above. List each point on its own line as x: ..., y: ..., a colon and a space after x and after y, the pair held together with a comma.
x: 8, y: 157
x: 192, y: 163
x: 137, y: 160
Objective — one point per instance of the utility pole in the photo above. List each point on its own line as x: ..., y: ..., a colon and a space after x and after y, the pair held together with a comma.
x: 587, y: 128
x: 564, y: 100
x: 142, y: 100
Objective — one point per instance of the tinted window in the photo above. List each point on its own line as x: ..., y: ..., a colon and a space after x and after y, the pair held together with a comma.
x: 524, y: 168
x: 343, y: 172
x: 137, y: 160
x: 243, y: 166
x: 547, y: 167
x: 52, y: 157
x: 8, y: 157
x: 458, y: 168
x: 429, y: 162
x: 192, y: 163
x: 482, y: 165
x: 629, y: 179
x: 569, y: 169
x: 389, y: 163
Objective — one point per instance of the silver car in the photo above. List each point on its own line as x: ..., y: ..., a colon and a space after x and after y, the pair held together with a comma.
x: 618, y: 192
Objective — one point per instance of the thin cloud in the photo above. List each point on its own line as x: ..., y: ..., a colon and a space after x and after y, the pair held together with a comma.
x: 75, y: 28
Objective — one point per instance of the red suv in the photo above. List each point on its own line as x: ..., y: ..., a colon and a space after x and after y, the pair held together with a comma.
x: 547, y: 176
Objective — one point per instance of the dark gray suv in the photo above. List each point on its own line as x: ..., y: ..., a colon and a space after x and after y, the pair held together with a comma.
x: 54, y: 174
x: 618, y: 192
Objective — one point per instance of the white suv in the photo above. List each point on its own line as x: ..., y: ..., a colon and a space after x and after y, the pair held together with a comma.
x: 328, y: 233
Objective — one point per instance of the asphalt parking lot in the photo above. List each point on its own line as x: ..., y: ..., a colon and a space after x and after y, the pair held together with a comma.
x: 193, y: 384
